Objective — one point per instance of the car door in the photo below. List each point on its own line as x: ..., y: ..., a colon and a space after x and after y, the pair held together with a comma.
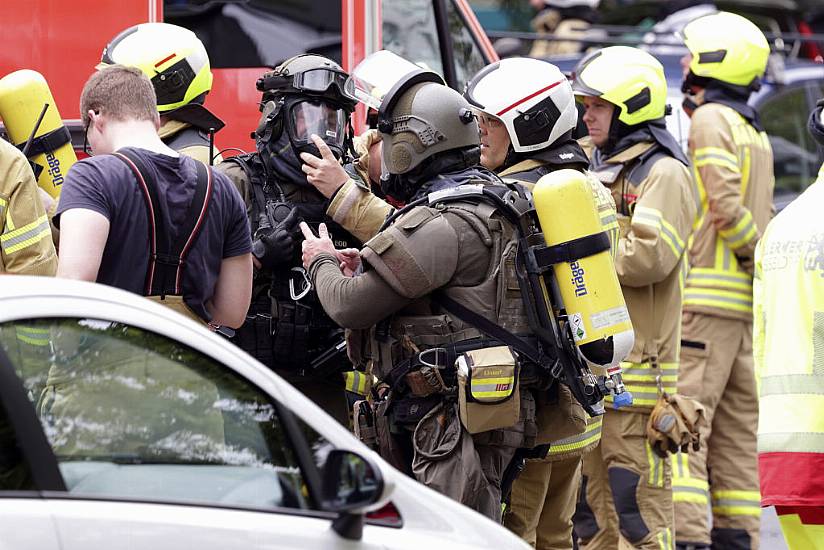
x: 25, y: 519
x: 147, y: 443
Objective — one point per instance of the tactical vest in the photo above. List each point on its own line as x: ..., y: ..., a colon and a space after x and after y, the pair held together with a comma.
x: 286, y: 327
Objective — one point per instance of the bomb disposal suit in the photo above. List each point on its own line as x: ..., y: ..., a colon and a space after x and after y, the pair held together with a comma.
x: 627, y: 490
x: 459, y: 402
x: 176, y: 62
x: 538, y: 129
x: 733, y: 167
x: 286, y: 327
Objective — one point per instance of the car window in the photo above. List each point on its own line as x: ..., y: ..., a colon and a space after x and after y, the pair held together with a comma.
x: 409, y: 30
x: 129, y: 413
x: 260, y: 33
x: 468, y: 57
x: 784, y: 116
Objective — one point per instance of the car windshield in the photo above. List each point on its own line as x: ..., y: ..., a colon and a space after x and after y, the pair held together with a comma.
x: 130, y: 413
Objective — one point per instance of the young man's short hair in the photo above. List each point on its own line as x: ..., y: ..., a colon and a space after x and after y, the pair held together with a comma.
x: 119, y: 92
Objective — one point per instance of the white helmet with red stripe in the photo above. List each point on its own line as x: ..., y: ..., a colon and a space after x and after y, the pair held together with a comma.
x: 531, y: 97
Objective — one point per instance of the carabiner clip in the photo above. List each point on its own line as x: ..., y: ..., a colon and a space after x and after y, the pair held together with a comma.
x: 307, y: 285
x: 436, y: 363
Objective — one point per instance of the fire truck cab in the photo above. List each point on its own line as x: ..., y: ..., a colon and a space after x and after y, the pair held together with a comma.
x: 63, y: 40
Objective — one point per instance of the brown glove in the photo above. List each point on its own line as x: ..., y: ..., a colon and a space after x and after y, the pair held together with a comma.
x: 674, y: 424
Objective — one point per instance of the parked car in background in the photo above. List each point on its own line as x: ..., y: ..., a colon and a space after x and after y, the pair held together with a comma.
x: 124, y: 425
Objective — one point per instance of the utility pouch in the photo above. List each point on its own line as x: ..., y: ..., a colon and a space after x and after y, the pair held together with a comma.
x: 408, y: 411
x: 388, y: 447
x: 364, y: 424
x: 488, y: 395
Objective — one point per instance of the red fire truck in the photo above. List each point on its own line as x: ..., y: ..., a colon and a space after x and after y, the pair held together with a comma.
x: 63, y: 40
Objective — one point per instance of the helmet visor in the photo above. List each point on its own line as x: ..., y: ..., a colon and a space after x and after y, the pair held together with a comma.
x: 319, y: 80
x: 316, y: 117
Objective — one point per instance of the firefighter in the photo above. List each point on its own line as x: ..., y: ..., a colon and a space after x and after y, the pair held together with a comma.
x: 733, y: 167
x: 569, y: 19
x: 177, y: 64
x: 25, y: 236
x: 427, y: 428
x: 788, y: 305
x: 627, y: 487
x: 544, y: 495
x: 286, y: 327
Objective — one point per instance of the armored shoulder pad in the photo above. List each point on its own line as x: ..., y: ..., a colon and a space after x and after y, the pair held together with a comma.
x: 417, y: 254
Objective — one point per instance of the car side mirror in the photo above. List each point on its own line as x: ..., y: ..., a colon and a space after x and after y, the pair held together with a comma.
x: 352, y: 485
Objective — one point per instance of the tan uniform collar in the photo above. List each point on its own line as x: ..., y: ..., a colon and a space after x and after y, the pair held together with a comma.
x: 171, y: 127
x: 629, y: 154
x: 522, y: 166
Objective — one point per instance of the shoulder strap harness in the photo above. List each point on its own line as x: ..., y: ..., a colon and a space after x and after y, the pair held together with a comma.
x: 168, y: 257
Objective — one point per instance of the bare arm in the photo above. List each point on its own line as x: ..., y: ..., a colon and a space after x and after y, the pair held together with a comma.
x: 233, y: 291
x: 83, y: 235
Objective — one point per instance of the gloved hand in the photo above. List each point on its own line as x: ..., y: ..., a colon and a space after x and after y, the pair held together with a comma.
x: 675, y: 423
x: 276, y: 246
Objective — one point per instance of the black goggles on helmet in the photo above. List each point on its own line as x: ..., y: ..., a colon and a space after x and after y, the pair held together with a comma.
x: 316, y: 81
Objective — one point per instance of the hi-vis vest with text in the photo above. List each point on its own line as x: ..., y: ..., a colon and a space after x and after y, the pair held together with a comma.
x: 733, y: 171
x: 788, y: 345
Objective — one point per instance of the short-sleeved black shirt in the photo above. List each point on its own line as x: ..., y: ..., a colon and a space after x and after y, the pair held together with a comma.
x: 105, y: 184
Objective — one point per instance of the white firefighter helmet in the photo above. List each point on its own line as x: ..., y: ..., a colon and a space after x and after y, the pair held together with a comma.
x: 531, y: 97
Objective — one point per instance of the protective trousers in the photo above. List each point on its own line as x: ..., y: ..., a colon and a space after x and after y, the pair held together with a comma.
x: 626, y: 492
x: 543, y: 501
x: 717, y: 369
x: 802, y: 526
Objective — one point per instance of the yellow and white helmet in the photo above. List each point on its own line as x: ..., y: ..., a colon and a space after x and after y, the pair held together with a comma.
x: 726, y: 47
x: 629, y: 78
x: 173, y: 58
x: 531, y: 97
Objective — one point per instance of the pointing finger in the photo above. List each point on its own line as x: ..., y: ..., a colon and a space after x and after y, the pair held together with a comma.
x: 324, y: 149
x: 307, y: 232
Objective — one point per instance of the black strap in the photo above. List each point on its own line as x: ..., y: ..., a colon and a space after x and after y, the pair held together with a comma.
x: 570, y: 251
x: 489, y: 328
x: 50, y: 141
x: 187, y: 137
x: 167, y: 256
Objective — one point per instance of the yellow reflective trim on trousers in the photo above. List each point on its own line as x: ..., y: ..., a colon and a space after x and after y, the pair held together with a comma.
x: 664, y: 539
x: 28, y: 235
x: 715, y: 156
x: 656, y: 467
x: 591, y: 434
x: 40, y: 342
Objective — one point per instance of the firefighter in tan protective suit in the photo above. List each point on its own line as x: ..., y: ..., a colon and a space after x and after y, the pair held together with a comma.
x: 543, y: 497
x: 627, y: 491
x: 177, y: 63
x: 26, y: 248
x: 733, y: 165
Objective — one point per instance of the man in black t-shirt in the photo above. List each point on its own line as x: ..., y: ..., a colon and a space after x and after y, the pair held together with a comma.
x: 103, y: 215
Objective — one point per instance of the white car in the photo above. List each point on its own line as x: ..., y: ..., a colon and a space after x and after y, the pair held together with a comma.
x: 125, y: 426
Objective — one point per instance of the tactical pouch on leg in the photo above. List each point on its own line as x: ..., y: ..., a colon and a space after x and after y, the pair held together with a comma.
x: 487, y: 389
x: 363, y: 420
x: 388, y: 447
x: 445, y: 457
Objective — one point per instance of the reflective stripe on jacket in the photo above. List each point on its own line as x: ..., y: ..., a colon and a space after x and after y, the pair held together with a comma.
x: 26, y: 245
x: 733, y: 170
x: 656, y: 212
x: 788, y: 346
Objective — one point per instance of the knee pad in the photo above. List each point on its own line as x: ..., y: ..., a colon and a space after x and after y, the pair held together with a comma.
x: 730, y: 539
x: 624, y: 484
x: 584, y: 525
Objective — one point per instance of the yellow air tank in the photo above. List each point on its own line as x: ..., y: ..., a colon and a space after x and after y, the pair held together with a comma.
x: 22, y: 97
x: 589, y: 288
